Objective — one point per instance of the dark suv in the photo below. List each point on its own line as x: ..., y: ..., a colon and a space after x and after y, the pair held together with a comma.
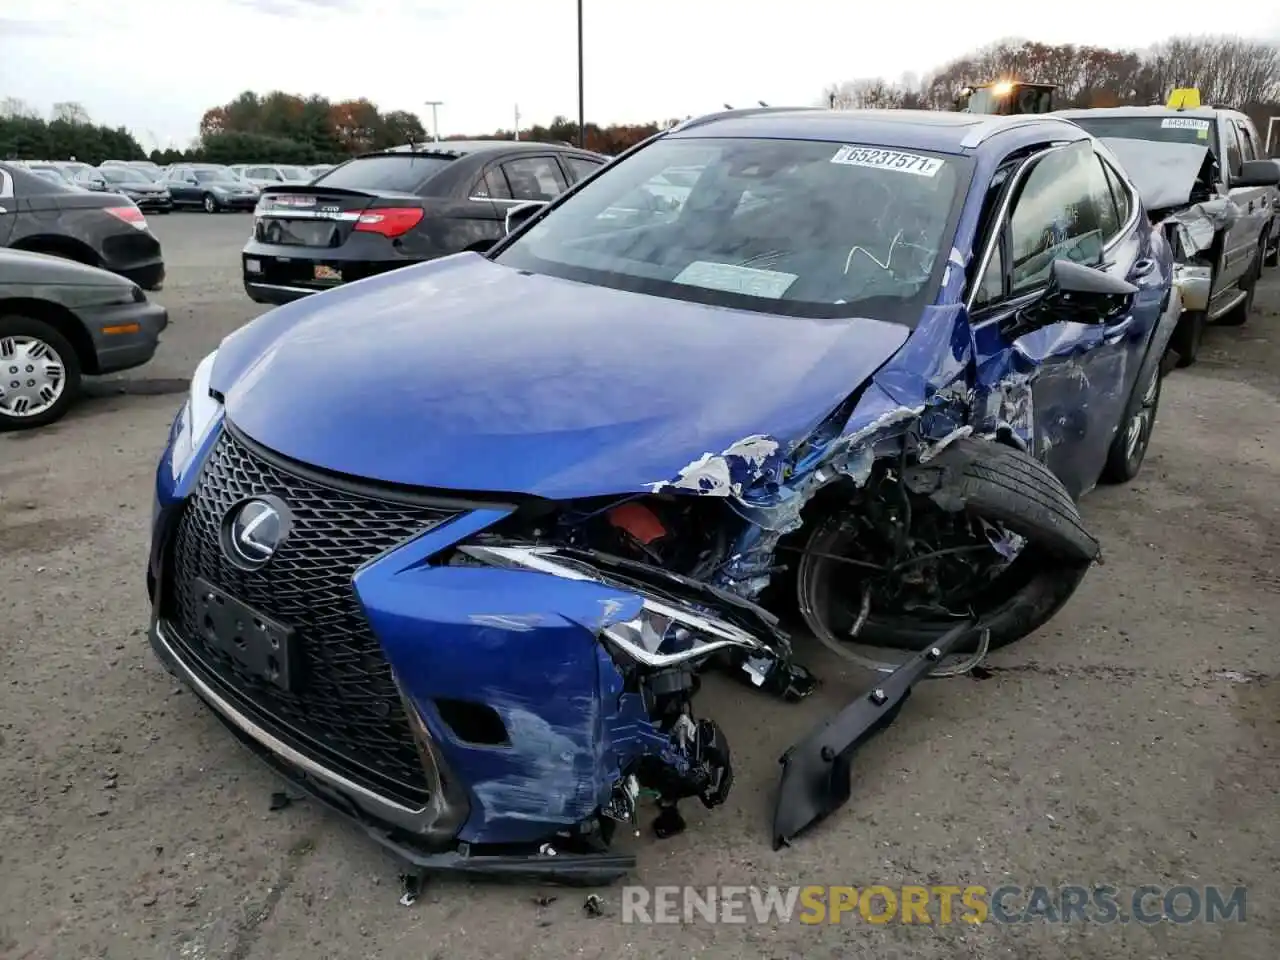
x: 397, y: 207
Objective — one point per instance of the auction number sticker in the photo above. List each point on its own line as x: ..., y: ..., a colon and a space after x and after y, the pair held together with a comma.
x: 1184, y: 123
x: 888, y: 160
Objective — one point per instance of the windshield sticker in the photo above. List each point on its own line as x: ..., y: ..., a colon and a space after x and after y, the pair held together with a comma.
x: 1185, y: 123
x: 747, y: 281
x: 888, y: 160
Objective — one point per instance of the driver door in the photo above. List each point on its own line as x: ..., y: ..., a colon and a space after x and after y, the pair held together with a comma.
x: 1067, y: 204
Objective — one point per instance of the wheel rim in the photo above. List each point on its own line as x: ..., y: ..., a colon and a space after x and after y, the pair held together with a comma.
x: 208, y: 204
x: 32, y: 376
x: 1138, y: 433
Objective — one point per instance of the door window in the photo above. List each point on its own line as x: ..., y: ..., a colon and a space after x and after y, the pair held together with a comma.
x: 1064, y: 211
x: 1248, y: 150
x: 1233, y: 149
x: 534, y: 178
x: 991, y: 284
x: 580, y: 167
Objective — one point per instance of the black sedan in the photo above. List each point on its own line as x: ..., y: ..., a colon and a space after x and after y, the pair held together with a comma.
x: 98, y: 229
x: 60, y: 321
x: 390, y: 209
x: 145, y: 191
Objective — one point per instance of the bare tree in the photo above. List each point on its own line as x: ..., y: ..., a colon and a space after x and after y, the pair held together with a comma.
x: 1227, y: 70
x: 868, y: 93
x: 70, y: 112
x: 15, y: 107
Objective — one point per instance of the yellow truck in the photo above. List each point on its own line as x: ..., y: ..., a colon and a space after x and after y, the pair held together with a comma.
x: 1006, y: 97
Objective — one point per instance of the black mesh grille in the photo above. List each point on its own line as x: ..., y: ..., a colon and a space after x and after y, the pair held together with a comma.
x: 347, y: 713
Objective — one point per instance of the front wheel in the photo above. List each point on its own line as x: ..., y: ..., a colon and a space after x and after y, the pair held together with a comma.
x: 210, y: 203
x: 982, y: 531
x: 39, y: 373
x: 1188, y: 337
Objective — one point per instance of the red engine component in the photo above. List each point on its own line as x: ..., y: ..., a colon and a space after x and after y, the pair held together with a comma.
x: 639, y: 521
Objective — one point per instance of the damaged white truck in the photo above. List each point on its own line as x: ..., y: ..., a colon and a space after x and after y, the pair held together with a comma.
x: 1204, y: 176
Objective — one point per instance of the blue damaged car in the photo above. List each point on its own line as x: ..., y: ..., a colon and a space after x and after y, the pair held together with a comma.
x: 451, y: 547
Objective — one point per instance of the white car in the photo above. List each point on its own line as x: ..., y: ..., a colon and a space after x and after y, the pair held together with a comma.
x: 271, y: 175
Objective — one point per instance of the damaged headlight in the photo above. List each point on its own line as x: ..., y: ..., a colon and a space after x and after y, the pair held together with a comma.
x: 664, y: 636
x: 661, y: 635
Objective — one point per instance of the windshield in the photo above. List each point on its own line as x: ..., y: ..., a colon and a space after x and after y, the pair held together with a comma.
x: 792, y: 227
x: 1168, y: 129
x: 401, y: 172
x: 294, y: 174
x: 216, y: 176
x: 124, y: 175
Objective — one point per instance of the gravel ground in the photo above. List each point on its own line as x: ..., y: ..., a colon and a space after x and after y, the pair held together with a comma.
x: 1132, y: 741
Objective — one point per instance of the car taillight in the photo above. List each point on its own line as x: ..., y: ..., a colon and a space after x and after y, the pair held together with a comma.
x: 390, y: 221
x: 130, y: 215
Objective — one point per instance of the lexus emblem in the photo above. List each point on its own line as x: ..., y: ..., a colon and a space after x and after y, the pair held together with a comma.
x: 254, y: 530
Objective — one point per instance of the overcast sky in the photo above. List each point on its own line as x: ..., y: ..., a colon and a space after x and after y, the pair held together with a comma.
x: 156, y: 65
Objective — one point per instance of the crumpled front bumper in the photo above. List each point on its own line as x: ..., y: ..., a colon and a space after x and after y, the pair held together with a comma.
x: 520, y: 644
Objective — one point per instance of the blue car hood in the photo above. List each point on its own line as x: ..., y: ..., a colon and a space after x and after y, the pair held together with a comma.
x: 467, y: 375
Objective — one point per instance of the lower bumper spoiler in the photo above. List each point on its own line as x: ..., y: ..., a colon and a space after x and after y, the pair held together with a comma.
x: 535, y: 864
x: 816, y: 770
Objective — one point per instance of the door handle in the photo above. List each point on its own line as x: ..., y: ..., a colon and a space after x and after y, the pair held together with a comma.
x: 1116, y: 332
x: 1143, y: 268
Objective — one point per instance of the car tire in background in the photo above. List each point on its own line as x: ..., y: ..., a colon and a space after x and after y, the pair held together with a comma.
x: 24, y: 342
x: 1188, y: 336
x: 1272, y: 257
x: 210, y: 203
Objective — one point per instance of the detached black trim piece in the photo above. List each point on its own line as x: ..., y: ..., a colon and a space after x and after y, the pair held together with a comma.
x: 816, y: 770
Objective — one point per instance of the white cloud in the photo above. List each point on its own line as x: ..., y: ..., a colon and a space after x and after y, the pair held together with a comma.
x: 156, y: 66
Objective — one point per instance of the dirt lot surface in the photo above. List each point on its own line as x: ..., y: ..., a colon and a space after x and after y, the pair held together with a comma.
x: 1133, y: 741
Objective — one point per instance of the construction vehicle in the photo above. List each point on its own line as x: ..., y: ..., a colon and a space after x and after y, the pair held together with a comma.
x: 1006, y: 97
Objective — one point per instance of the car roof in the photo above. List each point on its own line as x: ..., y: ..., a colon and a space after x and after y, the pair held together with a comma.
x: 463, y: 147
x: 934, y: 130
x: 1156, y: 110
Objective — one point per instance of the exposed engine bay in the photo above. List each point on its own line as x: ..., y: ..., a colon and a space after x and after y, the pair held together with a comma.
x: 894, y: 557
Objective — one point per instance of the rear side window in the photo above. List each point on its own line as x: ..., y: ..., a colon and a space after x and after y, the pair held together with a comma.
x: 534, y: 178
x: 492, y: 185
x: 1119, y: 193
x: 580, y: 167
x: 399, y: 172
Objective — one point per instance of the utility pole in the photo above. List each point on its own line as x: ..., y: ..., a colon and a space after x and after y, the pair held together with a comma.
x: 582, y: 121
x: 435, y: 122
x: 517, y: 136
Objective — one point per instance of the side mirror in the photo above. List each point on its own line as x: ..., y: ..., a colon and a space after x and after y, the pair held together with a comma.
x: 1075, y: 294
x: 1258, y: 173
x: 522, y: 213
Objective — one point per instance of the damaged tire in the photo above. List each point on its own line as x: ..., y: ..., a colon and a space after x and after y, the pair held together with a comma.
x: 1004, y: 488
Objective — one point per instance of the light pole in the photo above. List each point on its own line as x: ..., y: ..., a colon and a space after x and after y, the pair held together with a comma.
x: 435, y: 123
x: 582, y: 122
